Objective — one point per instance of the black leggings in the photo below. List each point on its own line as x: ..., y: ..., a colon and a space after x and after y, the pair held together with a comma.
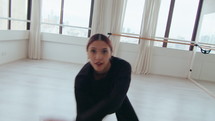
x: 126, y: 112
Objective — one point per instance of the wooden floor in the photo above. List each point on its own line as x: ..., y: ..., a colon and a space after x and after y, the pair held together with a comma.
x: 32, y: 90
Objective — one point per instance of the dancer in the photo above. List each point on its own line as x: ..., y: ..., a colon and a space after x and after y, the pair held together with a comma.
x: 101, y: 85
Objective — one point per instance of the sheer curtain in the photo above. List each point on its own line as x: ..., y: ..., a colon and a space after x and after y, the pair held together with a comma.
x: 117, y: 13
x: 148, y: 29
x: 107, y: 18
x: 99, y: 17
x: 34, y: 48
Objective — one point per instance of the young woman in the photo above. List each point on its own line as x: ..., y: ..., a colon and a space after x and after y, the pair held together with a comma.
x: 102, y: 84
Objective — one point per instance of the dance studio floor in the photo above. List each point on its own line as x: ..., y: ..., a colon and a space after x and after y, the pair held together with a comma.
x: 32, y: 90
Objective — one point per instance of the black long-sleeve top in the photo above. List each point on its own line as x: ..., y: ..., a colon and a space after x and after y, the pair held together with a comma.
x: 97, y: 98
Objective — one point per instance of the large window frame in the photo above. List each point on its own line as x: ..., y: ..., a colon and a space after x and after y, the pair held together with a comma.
x: 195, y: 28
x: 9, y: 19
x: 61, y: 25
x: 165, y: 36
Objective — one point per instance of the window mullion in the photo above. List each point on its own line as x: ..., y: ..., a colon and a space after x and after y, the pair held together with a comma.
x: 168, y: 25
x: 9, y: 15
x: 61, y: 17
x: 91, y: 17
x: 29, y: 13
x: 193, y: 39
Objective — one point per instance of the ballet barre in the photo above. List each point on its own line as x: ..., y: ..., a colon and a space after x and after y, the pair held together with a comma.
x: 205, y: 48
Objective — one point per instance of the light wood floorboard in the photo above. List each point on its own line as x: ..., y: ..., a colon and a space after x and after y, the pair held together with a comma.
x: 32, y: 90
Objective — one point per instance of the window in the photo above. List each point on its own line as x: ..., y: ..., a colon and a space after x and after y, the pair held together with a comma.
x: 67, y: 17
x: 183, y: 20
x: 4, y: 6
x: 176, y: 21
x: 207, y: 33
x: 132, y: 20
x: 162, y: 20
x: 51, y: 15
x: 179, y: 24
x: 17, y: 7
x: 13, y: 14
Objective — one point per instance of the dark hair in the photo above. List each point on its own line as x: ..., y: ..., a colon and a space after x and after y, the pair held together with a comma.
x: 100, y: 37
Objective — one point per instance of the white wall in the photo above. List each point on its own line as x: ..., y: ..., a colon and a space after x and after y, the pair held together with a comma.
x: 64, y: 48
x: 128, y: 52
x: 72, y: 49
x: 204, y: 67
x: 13, y: 45
x: 171, y: 62
x: 204, y: 64
x: 165, y: 61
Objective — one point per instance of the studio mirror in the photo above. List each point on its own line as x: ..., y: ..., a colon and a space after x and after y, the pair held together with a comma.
x: 203, y: 68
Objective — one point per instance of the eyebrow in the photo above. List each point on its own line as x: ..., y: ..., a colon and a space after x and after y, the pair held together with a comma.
x: 96, y: 48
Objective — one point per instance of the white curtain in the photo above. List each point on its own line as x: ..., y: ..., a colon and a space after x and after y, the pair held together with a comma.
x: 108, y: 18
x: 148, y: 29
x: 99, y: 17
x: 117, y: 14
x: 34, y: 49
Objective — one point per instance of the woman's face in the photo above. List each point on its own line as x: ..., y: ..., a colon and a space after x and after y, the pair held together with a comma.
x: 99, y: 54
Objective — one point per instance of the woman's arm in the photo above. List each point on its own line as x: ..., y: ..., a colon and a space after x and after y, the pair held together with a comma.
x: 112, y: 102
x: 83, y: 99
